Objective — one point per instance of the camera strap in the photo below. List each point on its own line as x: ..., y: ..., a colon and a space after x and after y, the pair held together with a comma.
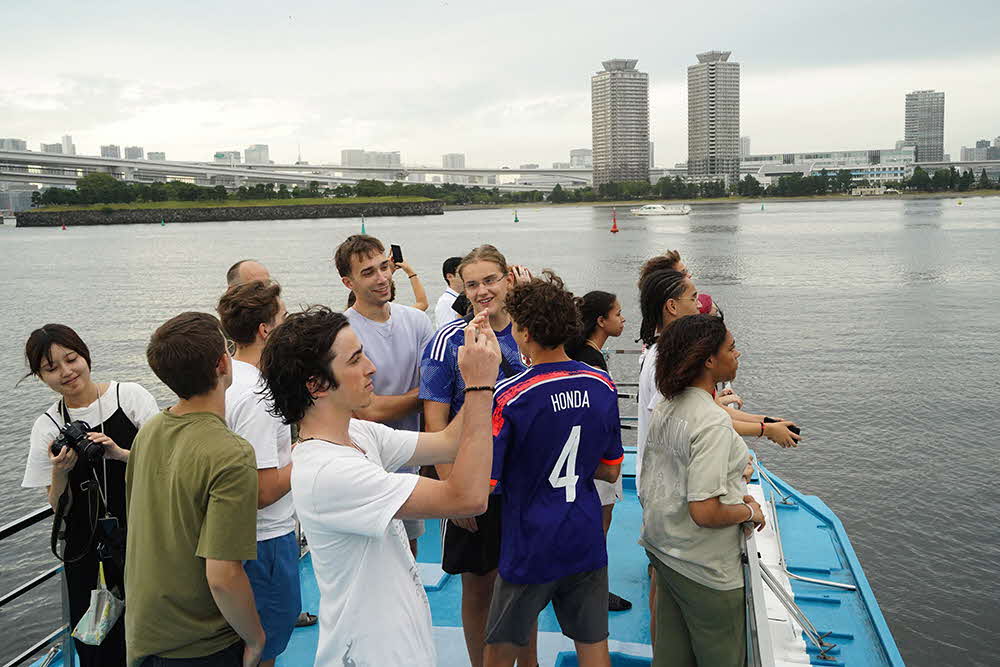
x: 102, y: 484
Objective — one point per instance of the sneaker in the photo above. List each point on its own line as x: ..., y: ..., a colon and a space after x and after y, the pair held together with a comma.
x: 616, y: 603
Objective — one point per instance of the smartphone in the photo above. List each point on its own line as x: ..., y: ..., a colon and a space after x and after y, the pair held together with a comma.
x: 397, y: 253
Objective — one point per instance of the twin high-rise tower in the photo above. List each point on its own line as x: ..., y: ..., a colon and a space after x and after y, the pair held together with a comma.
x: 620, y: 119
x: 619, y: 110
x: 714, y: 118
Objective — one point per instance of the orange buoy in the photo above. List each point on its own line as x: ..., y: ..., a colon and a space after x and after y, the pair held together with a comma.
x: 614, y: 221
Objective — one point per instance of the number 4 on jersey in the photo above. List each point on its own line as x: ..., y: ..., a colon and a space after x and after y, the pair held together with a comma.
x: 567, y: 462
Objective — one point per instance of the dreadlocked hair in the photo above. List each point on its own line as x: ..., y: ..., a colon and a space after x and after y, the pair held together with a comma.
x: 655, y: 290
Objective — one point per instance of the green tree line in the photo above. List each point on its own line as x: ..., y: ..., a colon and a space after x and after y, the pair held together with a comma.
x: 101, y: 188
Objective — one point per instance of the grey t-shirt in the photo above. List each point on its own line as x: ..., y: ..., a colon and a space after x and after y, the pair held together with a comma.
x: 692, y: 453
x: 395, y: 347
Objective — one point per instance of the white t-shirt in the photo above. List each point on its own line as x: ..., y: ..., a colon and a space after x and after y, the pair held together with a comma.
x: 649, y: 398
x: 373, y: 610
x: 137, y: 404
x: 247, y: 417
x: 442, y: 311
x: 395, y: 347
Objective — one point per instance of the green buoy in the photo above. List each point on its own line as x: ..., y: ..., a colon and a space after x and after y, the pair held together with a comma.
x: 362, y: 224
x: 515, y: 216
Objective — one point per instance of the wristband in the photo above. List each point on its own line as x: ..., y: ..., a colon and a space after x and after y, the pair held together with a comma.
x: 412, y: 276
x: 761, y: 430
x: 479, y: 388
x: 750, y: 518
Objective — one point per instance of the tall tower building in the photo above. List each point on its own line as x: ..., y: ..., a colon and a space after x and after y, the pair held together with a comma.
x: 619, y: 108
x: 714, y: 118
x: 134, y: 152
x: 925, y: 124
x: 68, y: 147
x: 111, y: 150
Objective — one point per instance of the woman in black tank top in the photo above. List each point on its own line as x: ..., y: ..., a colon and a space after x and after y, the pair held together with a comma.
x: 88, y: 494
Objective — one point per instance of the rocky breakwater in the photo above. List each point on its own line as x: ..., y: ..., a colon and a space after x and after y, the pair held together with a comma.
x: 138, y: 216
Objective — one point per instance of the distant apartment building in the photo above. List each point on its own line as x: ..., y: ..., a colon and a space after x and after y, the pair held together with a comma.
x: 561, y: 165
x: 257, y: 154
x: 52, y: 148
x: 982, y: 151
x: 156, y: 156
x: 227, y: 157
x: 134, y: 152
x: 924, y: 124
x: 13, y: 145
x: 111, y: 150
x: 714, y: 118
x: 581, y: 158
x: 68, y: 147
x: 453, y: 161
x: 651, y: 163
x: 529, y: 165
x: 744, y: 146
x: 619, y: 109
x: 362, y: 158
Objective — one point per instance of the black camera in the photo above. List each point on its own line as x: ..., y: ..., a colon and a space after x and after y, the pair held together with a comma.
x: 74, y: 436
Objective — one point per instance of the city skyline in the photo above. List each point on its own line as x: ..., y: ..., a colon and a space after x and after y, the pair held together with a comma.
x: 392, y: 87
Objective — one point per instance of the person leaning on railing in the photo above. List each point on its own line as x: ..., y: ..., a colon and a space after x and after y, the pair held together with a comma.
x: 81, y: 492
x: 694, y: 500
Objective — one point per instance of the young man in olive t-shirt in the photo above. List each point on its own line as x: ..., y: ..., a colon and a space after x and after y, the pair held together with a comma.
x: 191, y: 491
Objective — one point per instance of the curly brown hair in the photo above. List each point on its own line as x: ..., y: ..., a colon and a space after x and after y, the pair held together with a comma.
x: 546, y: 309
x: 682, y: 350
x: 245, y: 307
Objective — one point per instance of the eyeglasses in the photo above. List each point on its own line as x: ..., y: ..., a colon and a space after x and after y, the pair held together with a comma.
x: 488, y: 281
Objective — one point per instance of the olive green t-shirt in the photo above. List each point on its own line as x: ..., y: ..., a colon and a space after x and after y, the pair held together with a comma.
x: 191, y: 494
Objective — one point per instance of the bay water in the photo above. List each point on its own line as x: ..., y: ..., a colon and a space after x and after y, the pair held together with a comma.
x: 872, y: 323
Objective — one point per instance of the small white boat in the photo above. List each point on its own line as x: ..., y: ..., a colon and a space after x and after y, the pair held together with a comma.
x: 660, y: 209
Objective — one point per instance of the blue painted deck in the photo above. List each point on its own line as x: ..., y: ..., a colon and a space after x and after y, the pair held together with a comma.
x: 815, y: 545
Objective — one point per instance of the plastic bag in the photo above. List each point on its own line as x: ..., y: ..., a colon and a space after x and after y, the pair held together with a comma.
x: 104, y: 611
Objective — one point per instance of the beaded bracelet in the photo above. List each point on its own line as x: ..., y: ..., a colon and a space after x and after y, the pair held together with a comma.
x: 482, y: 388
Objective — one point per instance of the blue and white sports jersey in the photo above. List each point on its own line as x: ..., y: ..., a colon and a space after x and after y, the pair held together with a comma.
x: 440, y: 379
x: 552, y: 425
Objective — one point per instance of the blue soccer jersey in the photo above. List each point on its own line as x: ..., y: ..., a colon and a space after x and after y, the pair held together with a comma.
x: 440, y: 379
x: 552, y: 425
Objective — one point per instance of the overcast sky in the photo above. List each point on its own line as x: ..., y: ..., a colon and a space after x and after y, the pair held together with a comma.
x: 505, y: 83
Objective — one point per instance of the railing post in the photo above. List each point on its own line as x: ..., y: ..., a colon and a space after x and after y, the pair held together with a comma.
x: 68, y: 644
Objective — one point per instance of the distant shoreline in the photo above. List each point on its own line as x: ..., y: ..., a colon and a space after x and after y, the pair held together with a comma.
x: 731, y: 200
x: 286, y: 209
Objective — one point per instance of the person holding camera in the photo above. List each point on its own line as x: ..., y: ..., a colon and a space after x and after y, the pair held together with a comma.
x: 79, y: 447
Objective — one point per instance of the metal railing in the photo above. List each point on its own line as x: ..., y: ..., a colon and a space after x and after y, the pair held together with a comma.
x: 68, y: 648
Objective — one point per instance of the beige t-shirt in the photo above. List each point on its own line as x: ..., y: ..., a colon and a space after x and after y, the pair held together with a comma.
x: 191, y: 494
x: 692, y: 453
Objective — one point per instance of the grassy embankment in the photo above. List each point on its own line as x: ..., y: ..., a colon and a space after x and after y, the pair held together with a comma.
x: 237, y: 203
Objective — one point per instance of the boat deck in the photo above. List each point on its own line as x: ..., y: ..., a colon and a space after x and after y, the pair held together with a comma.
x: 815, y: 545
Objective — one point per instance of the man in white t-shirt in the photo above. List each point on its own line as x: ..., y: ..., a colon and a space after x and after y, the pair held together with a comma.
x: 349, y: 494
x: 394, y: 337
x: 443, y: 312
x: 249, y: 313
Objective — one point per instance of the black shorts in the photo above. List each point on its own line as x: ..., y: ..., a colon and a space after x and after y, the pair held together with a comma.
x: 478, y: 552
x: 580, y: 602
